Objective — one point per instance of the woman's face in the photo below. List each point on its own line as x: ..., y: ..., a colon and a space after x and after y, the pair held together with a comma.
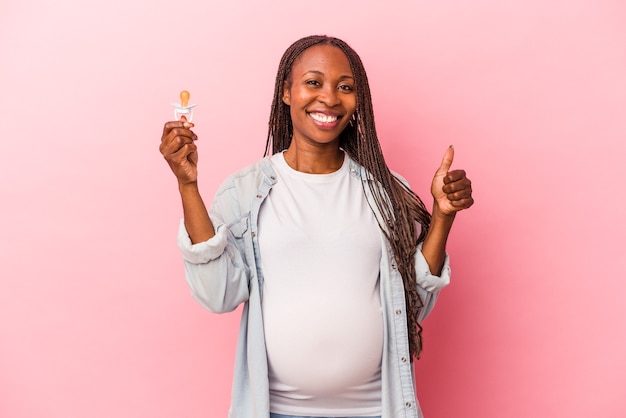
x: 321, y: 95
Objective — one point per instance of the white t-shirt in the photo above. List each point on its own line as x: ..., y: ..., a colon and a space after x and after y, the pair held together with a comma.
x: 320, y: 252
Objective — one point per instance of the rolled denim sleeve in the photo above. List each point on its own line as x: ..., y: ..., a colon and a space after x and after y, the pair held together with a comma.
x: 428, y: 285
x: 202, y: 252
x: 214, y: 270
x: 425, y: 278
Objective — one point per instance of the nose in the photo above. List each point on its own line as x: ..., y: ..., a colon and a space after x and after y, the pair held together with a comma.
x: 329, y: 96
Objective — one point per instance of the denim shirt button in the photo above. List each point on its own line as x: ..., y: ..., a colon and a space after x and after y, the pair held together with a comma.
x: 398, y: 312
x: 408, y: 404
x: 403, y: 359
x: 259, y: 196
x: 253, y: 234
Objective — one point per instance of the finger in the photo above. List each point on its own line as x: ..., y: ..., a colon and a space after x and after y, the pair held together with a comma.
x: 446, y: 162
x: 460, y: 195
x: 463, y: 203
x: 461, y: 189
x: 167, y: 128
x: 453, y: 176
x: 183, y: 153
x: 456, y: 185
x: 186, y: 123
x: 179, y: 135
x: 175, y: 143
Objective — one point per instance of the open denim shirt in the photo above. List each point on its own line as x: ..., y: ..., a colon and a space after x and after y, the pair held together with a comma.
x: 225, y: 271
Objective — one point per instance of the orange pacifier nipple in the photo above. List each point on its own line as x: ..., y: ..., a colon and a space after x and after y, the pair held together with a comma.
x: 184, y: 98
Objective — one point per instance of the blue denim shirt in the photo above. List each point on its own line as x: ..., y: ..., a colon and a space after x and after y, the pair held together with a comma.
x: 225, y: 271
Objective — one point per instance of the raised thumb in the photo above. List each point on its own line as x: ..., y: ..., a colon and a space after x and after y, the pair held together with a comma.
x: 446, y: 162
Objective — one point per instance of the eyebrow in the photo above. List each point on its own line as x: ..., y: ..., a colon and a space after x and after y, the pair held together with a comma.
x: 317, y: 72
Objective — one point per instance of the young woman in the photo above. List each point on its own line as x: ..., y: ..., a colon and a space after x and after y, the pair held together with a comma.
x: 335, y: 259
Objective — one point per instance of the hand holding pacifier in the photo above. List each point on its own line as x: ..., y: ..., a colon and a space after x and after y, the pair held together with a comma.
x: 178, y: 142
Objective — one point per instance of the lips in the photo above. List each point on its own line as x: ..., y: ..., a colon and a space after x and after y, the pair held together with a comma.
x: 323, y: 118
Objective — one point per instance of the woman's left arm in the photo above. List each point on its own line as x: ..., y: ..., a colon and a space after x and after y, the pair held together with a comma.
x: 452, y: 192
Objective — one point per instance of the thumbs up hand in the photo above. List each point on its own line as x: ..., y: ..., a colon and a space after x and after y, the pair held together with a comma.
x: 452, y: 190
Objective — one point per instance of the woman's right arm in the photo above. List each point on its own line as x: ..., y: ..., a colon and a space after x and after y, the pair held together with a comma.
x: 180, y: 152
x: 217, y: 276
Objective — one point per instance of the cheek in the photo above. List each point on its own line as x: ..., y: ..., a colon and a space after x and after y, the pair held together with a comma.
x: 304, y: 97
x: 292, y: 112
x: 351, y: 104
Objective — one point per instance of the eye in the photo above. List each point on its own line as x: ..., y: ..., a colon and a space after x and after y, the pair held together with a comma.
x: 313, y: 83
x: 346, y: 87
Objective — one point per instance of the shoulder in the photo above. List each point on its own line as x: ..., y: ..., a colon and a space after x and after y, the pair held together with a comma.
x: 361, y: 171
x: 238, y: 193
x: 401, y: 179
x: 251, y: 176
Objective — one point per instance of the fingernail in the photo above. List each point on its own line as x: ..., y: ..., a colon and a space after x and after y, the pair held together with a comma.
x: 451, y: 146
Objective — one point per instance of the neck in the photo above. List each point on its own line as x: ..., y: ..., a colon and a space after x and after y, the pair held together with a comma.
x: 314, y: 160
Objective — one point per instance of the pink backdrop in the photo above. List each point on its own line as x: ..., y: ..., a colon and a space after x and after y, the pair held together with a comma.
x: 95, y: 316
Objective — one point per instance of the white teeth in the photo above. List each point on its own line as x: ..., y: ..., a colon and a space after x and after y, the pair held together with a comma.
x: 320, y: 117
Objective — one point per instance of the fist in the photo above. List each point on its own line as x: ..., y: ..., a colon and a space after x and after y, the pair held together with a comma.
x: 451, y: 190
x: 180, y: 151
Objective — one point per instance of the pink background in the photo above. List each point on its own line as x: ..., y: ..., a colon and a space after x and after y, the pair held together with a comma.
x: 95, y: 316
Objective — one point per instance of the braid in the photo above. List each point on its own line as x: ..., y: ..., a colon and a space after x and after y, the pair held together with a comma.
x: 400, y: 208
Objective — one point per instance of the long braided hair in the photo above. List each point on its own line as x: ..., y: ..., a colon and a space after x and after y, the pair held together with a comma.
x: 401, y: 209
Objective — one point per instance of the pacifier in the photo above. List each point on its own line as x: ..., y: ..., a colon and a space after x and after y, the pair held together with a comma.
x: 183, y: 108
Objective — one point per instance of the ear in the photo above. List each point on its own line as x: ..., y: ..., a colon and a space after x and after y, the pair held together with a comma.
x: 286, y: 94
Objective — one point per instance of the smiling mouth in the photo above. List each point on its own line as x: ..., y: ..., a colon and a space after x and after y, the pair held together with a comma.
x: 320, y: 117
